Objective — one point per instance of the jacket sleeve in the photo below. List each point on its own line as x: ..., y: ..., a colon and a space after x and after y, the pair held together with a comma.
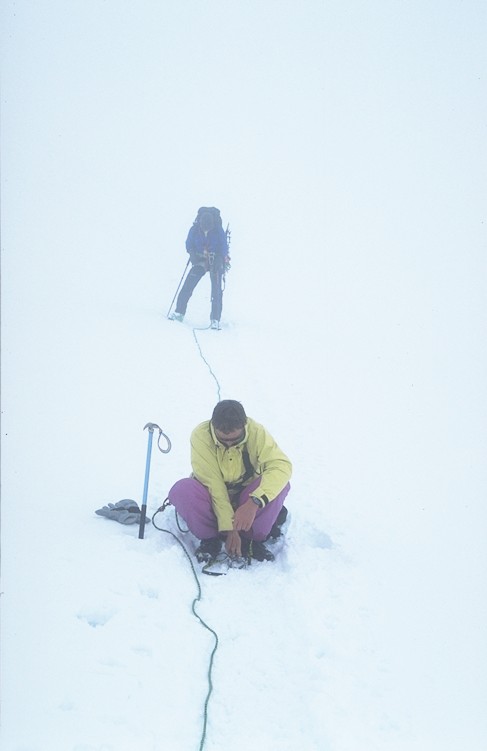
x: 190, y: 240
x: 207, y: 471
x: 273, y: 465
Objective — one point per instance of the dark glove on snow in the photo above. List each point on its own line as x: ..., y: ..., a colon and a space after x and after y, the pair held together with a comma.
x: 125, y: 512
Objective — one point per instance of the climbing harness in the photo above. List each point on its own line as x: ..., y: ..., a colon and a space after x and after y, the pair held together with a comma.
x: 150, y: 426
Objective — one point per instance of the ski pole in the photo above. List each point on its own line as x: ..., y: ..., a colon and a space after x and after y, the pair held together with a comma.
x: 150, y: 426
x: 175, y: 294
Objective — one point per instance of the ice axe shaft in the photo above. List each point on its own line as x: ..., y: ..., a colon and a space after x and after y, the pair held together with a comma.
x: 151, y: 426
x: 175, y: 294
x: 143, y: 514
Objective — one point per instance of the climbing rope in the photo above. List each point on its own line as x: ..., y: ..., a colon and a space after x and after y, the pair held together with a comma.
x: 177, y: 522
x: 200, y: 619
x: 206, y: 568
x: 205, y: 328
x: 206, y: 361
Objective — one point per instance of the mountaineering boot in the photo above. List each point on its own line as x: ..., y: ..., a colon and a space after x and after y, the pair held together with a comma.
x: 208, y: 549
x: 176, y: 317
x: 215, y: 325
x: 276, y: 527
x: 256, y: 550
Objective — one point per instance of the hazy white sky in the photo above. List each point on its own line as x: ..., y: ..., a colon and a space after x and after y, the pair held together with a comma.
x: 263, y: 105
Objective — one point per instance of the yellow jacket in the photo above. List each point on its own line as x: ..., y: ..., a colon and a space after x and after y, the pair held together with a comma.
x: 215, y: 466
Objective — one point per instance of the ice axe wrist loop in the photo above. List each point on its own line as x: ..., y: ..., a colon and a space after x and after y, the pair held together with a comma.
x: 151, y: 426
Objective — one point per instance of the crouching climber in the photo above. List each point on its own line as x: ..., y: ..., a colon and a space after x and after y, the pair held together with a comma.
x: 236, y: 493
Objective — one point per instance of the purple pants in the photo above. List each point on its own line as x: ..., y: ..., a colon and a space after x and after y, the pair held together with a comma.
x: 192, y: 501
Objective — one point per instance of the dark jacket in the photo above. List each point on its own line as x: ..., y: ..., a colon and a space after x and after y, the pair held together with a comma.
x: 200, y: 245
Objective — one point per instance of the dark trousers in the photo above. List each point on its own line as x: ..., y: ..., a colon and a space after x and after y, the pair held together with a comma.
x: 196, y: 273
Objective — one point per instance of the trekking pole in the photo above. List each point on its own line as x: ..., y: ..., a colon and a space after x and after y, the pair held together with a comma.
x: 175, y: 294
x: 150, y: 426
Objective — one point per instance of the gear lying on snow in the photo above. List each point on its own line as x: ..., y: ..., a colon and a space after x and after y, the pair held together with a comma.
x: 126, y: 512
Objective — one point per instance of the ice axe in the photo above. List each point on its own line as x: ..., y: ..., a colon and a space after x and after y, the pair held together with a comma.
x: 175, y: 294
x: 151, y: 426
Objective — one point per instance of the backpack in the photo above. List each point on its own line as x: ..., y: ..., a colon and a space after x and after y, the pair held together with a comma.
x: 208, y: 218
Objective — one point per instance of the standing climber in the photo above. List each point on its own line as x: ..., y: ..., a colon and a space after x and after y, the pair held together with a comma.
x: 207, y: 245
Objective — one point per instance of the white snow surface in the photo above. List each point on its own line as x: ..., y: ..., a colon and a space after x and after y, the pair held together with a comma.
x: 344, y: 142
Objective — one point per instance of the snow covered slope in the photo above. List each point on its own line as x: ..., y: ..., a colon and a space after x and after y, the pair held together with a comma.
x: 343, y: 143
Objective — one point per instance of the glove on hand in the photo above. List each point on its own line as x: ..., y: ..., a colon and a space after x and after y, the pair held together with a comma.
x: 125, y: 512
